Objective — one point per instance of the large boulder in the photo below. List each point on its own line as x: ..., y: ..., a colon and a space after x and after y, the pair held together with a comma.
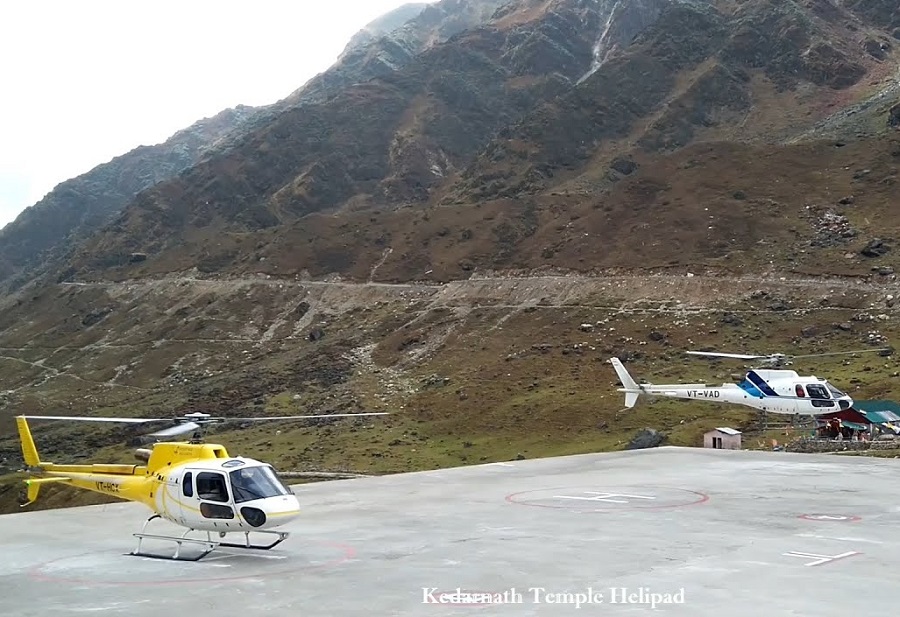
x: 647, y: 438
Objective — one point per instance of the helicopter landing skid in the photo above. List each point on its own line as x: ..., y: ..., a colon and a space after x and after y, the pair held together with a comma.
x: 282, y: 536
x: 208, y: 545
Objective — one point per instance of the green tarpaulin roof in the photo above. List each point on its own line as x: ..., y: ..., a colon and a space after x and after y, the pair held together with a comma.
x: 855, y: 426
x: 879, y: 412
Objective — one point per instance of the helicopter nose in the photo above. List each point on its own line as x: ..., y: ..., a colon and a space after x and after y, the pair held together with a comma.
x: 272, y: 512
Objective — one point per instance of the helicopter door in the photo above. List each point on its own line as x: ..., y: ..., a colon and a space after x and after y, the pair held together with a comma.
x: 210, y: 496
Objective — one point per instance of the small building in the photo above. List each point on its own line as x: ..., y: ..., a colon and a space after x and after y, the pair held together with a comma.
x: 722, y: 439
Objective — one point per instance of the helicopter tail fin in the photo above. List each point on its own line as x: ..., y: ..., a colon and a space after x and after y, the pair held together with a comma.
x: 32, y: 460
x: 29, y: 450
x: 632, y: 390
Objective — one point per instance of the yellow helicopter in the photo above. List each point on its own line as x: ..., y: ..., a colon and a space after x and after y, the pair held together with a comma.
x: 195, y: 485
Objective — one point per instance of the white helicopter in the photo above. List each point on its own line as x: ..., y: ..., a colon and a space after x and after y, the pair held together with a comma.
x: 777, y: 391
x: 195, y: 485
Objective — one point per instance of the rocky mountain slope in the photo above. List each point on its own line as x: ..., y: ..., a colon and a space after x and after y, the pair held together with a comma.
x: 547, y: 97
x: 45, y: 235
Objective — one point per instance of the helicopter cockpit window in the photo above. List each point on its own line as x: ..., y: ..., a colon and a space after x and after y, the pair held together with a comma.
x: 817, y: 391
x: 187, y: 487
x: 798, y: 389
x: 834, y: 391
x: 252, y: 483
x: 211, y: 486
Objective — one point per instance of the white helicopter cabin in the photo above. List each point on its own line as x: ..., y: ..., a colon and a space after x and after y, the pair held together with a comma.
x: 787, y: 383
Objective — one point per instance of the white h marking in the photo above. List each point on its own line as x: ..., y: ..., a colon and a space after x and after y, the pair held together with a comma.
x: 604, y: 497
x: 820, y: 559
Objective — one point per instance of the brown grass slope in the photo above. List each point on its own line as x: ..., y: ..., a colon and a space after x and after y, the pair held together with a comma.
x: 720, y: 206
x: 472, y: 371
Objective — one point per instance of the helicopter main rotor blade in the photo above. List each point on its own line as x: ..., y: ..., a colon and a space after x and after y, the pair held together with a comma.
x: 840, y: 353
x: 740, y: 356
x: 327, y: 415
x: 99, y: 419
x: 180, y: 429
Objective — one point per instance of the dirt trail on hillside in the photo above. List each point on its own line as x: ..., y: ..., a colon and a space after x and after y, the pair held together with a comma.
x: 655, y: 292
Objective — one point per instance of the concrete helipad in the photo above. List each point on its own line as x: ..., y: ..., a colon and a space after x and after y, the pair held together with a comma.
x: 699, y: 532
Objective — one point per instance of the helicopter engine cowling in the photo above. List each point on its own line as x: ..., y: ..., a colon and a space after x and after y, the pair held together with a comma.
x: 142, y: 454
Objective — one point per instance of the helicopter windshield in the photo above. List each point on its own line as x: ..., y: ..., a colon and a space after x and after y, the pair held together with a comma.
x: 834, y: 391
x: 252, y: 483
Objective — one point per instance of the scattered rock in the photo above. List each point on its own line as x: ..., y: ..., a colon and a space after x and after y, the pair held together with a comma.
x: 315, y: 334
x: 656, y: 336
x: 95, y: 316
x: 876, y: 49
x: 779, y: 305
x: 846, y: 326
x: 624, y: 166
x: 137, y: 257
x: 436, y: 380
x: 646, y: 438
x: 586, y: 327
x: 831, y: 228
x: 846, y: 201
x: 894, y: 116
x: 732, y: 320
x: 301, y: 309
x: 808, y: 331
x: 875, y: 248
x: 883, y: 270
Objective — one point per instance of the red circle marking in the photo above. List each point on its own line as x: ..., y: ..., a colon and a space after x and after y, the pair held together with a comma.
x: 840, y: 518
x: 35, y: 572
x: 698, y: 498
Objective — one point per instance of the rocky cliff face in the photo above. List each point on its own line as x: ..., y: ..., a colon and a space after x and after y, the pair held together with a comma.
x: 382, y: 26
x: 392, y: 42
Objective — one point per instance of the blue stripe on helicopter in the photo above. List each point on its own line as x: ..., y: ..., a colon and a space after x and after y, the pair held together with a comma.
x: 750, y: 389
x: 757, y: 386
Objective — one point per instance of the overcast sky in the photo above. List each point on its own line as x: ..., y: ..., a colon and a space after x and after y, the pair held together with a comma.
x: 84, y: 81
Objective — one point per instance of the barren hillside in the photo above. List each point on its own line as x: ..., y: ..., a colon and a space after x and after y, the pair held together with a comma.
x: 485, y: 369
